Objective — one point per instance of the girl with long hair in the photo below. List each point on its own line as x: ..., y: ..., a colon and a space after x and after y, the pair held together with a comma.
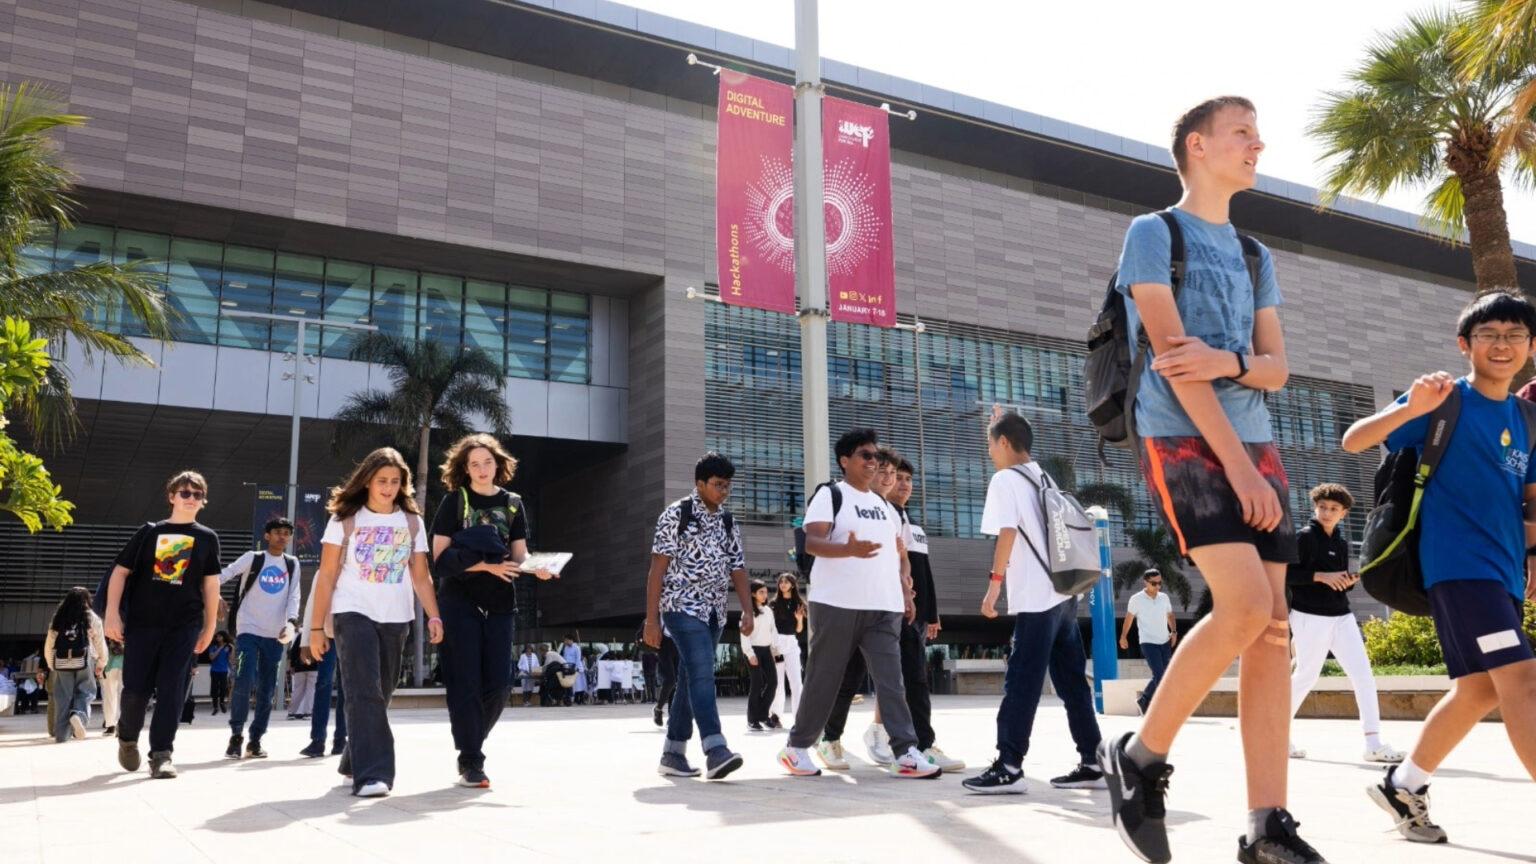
x: 77, y: 653
x: 218, y: 671
x: 373, y: 557
x: 479, y: 539
x: 789, y: 620
x: 759, y: 648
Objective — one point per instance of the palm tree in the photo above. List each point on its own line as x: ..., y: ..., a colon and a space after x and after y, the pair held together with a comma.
x: 1412, y: 118
x: 1154, y: 549
x: 1502, y: 34
x: 432, y: 387
x: 34, y: 198
x: 1108, y: 495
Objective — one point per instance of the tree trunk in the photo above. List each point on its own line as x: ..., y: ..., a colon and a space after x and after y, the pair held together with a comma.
x: 1493, y: 258
x: 419, y: 655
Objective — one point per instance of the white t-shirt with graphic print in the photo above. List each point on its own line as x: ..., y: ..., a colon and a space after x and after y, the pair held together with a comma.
x: 872, y: 584
x: 375, y: 578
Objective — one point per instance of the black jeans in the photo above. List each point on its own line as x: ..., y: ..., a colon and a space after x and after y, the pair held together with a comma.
x: 666, y: 670
x: 853, y: 682
x: 218, y: 689
x: 477, y: 667
x: 914, y: 677
x: 764, y: 684
x: 369, y: 654
x: 157, y: 661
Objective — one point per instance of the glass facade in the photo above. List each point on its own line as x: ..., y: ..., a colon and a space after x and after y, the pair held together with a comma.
x: 752, y: 415
x: 534, y: 333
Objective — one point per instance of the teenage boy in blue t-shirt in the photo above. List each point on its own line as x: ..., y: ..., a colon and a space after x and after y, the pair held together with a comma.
x: 1479, y: 529
x: 1210, y: 462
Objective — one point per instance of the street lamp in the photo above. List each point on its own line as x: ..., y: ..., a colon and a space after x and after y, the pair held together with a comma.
x: 298, y: 378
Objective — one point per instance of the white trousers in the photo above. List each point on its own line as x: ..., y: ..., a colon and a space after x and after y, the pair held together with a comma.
x: 1316, y: 635
x: 111, y: 695
x: 788, y: 671
x: 303, y: 693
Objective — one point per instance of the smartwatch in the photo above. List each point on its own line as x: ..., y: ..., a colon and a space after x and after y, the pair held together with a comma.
x: 1242, y: 366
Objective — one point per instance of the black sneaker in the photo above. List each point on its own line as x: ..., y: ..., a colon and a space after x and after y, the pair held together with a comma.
x: 1410, y: 809
x: 774, y: 722
x: 720, y: 762
x: 128, y: 755
x: 344, y: 767
x: 1136, y: 800
x: 160, y: 767
x: 656, y: 715
x: 754, y: 726
x: 338, y: 748
x: 996, y: 780
x: 1279, y: 845
x: 1081, y: 777
x: 315, y: 750
x: 233, y: 750
x: 253, y: 750
x: 474, y: 778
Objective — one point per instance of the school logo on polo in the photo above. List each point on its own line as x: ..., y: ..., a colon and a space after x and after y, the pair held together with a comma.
x: 876, y: 513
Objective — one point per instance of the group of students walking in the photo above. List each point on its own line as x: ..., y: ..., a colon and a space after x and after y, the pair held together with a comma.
x: 1200, y: 300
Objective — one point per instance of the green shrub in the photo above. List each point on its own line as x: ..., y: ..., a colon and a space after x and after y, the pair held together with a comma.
x: 1332, y: 669
x: 1402, y: 640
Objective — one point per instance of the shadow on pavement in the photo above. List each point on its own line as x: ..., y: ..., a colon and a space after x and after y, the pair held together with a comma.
x: 339, y: 801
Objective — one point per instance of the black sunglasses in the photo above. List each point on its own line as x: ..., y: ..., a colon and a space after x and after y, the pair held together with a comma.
x: 190, y: 494
x: 867, y: 455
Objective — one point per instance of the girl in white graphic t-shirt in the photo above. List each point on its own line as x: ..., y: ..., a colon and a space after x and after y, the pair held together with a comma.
x: 373, y: 558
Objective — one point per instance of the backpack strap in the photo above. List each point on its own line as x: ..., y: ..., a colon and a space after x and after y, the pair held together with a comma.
x: 413, y: 522
x: 684, y: 515
x: 463, y: 508
x: 250, y: 578
x: 1019, y: 470
x: 1528, y: 413
x: 1254, y: 256
x: 1175, y: 249
x: 1437, y: 438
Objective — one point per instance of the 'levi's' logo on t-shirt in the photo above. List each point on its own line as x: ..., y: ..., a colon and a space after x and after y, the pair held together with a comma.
x: 877, y: 513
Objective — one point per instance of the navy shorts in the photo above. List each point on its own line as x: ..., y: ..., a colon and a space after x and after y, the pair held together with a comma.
x: 1478, y: 623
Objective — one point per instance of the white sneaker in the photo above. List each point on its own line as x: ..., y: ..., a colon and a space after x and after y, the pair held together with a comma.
x: 878, y: 745
x: 831, y: 753
x: 373, y: 789
x: 797, y: 761
x: 1297, y: 752
x: 945, y: 763
x: 77, y: 726
x: 1385, y: 754
x: 914, y: 765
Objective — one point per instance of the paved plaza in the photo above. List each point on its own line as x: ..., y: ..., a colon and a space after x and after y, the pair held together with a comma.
x: 579, y: 784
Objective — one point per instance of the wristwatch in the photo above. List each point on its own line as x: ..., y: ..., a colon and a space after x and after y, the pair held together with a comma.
x: 1242, y: 366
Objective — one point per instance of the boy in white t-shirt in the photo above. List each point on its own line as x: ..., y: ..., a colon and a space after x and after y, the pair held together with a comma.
x: 1045, y: 633
x: 858, y: 601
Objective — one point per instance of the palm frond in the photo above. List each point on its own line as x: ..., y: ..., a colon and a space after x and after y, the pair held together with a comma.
x: 1110, y: 496
x: 49, y: 410
x: 373, y: 415
x: 1445, y: 208
x: 1062, y: 469
x: 34, y: 184
x: 1497, y: 34
x: 477, y: 396
x: 69, y: 302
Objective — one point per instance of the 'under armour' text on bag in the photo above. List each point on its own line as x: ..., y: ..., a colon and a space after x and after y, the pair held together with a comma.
x: 1073, y: 562
x: 1112, y: 371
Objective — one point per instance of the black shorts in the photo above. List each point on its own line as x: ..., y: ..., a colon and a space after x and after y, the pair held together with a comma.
x: 1478, y: 624
x: 1190, y: 489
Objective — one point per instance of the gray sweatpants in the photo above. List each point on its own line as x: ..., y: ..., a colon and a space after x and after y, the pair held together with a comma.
x: 835, y: 634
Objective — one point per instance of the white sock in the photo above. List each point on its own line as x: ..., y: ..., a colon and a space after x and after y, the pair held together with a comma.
x: 1410, y: 776
x: 1373, y: 741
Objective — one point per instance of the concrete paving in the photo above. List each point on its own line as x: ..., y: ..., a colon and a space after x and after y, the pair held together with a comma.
x: 579, y: 784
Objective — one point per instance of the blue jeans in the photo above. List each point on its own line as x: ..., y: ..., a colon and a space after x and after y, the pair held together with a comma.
x: 1157, y: 657
x: 256, y: 660
x: 1046, y: 642
x: 73, y: 690
x: 325, y: 673
x: 694, y: 702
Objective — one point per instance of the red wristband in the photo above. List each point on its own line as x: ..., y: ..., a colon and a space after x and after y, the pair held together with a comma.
x: 995, y: 577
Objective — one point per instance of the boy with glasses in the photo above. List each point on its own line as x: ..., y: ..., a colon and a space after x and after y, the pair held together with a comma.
x: 1476, y: 546
x: 1152, y: 611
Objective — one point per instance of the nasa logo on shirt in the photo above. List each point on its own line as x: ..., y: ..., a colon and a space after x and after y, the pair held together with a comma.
x: 273, y: 579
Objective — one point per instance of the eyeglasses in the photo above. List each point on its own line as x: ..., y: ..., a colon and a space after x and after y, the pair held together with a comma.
x: 1511, y: 339
x: 190, y: 494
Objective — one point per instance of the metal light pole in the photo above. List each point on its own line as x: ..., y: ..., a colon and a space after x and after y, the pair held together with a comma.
x: 918, y: 328
x: 298, y: 385
x: 811, y: 246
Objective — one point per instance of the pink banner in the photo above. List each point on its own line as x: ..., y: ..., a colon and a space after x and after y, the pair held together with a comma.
x: 861, y: 269
x: 754, y: 193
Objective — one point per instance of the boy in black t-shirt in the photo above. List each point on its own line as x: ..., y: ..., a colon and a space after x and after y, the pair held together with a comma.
x: 170, y: 573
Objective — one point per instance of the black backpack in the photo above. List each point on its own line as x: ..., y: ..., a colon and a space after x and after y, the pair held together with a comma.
x: 70, y: 647
x: 251, y: 575
x: 803, y: 559
x: 1111, y: 375
x: 1391, y: 572
x: 685, y: 518
x: 134, y: 546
